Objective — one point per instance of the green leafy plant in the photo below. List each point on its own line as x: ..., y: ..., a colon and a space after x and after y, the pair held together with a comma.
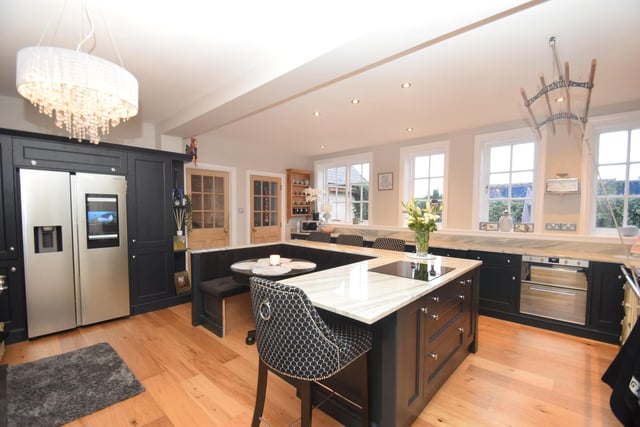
x: 421, y: 219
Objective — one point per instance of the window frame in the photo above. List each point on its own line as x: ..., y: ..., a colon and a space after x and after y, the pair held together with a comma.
x: 597, y: 126
x: 483, y: 144
x: 408, y: 155
x: 320, y: 167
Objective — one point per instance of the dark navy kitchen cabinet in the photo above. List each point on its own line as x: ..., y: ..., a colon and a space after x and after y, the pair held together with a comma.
x: 606, y: 298
x: 151, y: 228
x: 499, y: 281
x: 8, y: 217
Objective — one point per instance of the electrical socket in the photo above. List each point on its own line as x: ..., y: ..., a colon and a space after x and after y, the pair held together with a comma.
x: 555, y: 226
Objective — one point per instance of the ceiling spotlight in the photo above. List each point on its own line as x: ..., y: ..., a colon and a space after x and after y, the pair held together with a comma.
x: 560, y: 99
x: 405, y: 85
x: 409, y: 129
x: 316, y: 114
x: 355, y: 101
x: 322, y: 147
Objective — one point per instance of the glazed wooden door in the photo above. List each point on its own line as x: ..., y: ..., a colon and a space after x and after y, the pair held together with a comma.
x: 209, y: 192
x: 265, y: 209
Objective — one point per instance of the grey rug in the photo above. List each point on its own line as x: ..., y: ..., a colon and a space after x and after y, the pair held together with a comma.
x: 59, y: 389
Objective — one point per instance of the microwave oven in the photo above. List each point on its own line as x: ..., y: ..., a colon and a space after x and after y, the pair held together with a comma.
x: 309, y: 225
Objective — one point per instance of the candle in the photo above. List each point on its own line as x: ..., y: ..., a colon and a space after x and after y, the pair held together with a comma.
x: 274, y: 259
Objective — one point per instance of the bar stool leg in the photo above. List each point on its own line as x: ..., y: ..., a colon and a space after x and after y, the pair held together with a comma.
x: 364, y: 375
x: 261, y: 393
x: 305, y: 403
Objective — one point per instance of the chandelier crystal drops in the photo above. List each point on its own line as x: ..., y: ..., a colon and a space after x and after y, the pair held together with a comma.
x: 86, y: 94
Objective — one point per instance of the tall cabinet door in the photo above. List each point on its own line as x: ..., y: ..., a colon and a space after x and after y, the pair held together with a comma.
x: 8, y: 225
x: 150, y: 225
x: 12, y: 307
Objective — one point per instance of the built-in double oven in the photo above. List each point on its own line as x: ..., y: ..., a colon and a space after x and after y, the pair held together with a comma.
x: 554, y: 288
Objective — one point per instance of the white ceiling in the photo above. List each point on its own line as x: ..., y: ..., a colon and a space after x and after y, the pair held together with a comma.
x: 255, y: 71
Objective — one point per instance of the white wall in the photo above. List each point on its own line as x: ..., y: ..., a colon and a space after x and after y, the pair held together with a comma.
x: 562, y: 156
x: 244, y: 159
x: 19, y: 114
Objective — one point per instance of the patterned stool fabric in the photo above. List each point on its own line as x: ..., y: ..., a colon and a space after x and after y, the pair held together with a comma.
x: 350, y: 239
x: 319, y: 236
x: 293, y: 340
x: 389, y: 243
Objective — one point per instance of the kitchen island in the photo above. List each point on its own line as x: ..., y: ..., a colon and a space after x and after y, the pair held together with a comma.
x: 423, y: 325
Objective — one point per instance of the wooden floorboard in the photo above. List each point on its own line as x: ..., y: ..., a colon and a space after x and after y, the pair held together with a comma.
x: 521, y: 376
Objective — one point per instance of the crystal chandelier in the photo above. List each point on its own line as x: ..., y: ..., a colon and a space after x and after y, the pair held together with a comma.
x: 86, y: 94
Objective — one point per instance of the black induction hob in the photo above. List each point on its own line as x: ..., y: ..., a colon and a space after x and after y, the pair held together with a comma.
x: 413, y: 270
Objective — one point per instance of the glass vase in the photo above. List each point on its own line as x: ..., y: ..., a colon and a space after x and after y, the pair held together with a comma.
x: 422, y: 244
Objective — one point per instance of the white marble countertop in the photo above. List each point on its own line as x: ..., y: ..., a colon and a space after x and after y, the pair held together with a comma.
x: 355, y: 292
x: 592, y: 248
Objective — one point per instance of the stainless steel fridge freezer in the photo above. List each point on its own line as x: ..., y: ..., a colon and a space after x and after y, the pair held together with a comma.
x: 75, y: 249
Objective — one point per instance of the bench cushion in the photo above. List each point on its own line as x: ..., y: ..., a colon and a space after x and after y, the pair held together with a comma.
x: 223, y: 287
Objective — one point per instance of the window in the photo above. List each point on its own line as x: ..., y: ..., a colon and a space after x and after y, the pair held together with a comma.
x: 508, y: 176
x: 345, y: 186
x: 617, y: 200
x: 424, y: 169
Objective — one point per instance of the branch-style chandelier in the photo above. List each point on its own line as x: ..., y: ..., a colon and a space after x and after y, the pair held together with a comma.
x: 85, y: 93
x: 562, y: 84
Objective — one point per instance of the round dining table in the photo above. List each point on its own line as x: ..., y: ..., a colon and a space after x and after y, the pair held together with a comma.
x: 269, y: 268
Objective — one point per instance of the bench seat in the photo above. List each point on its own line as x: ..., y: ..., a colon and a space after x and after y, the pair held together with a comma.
x: 212, y: 280
x: 215, y: 292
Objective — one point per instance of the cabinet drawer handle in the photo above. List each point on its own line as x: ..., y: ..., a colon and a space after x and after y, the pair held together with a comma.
x: 435, y: 299
x: 469, y: 281
x: 461, y: 297
x: 508, y: 260
x: 553, y: 291
x: 461, y: 330
x: 434, y: 356
x: 462, y: 282
x: 3, y: 281
x: 424, y: 310
x: 434, y: 316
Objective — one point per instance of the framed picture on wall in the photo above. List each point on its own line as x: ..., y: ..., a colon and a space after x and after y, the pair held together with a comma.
x: 385, y: 181
x: 181, y: 282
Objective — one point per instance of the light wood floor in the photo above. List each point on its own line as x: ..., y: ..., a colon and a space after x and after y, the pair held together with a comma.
x: 521, y: 376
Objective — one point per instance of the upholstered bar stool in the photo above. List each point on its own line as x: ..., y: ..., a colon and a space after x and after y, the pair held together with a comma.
x: 294, y: 341
x: 319, y: 236
x: 350, y: 239
x: 389, y: 243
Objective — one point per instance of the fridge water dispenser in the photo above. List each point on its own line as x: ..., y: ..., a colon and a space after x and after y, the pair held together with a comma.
x: 48, y: 238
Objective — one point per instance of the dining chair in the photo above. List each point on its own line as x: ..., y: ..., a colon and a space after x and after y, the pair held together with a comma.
x: 294, y: 341
x: 319, y: 236
x: 389, y: 243
x: 350, y: 239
